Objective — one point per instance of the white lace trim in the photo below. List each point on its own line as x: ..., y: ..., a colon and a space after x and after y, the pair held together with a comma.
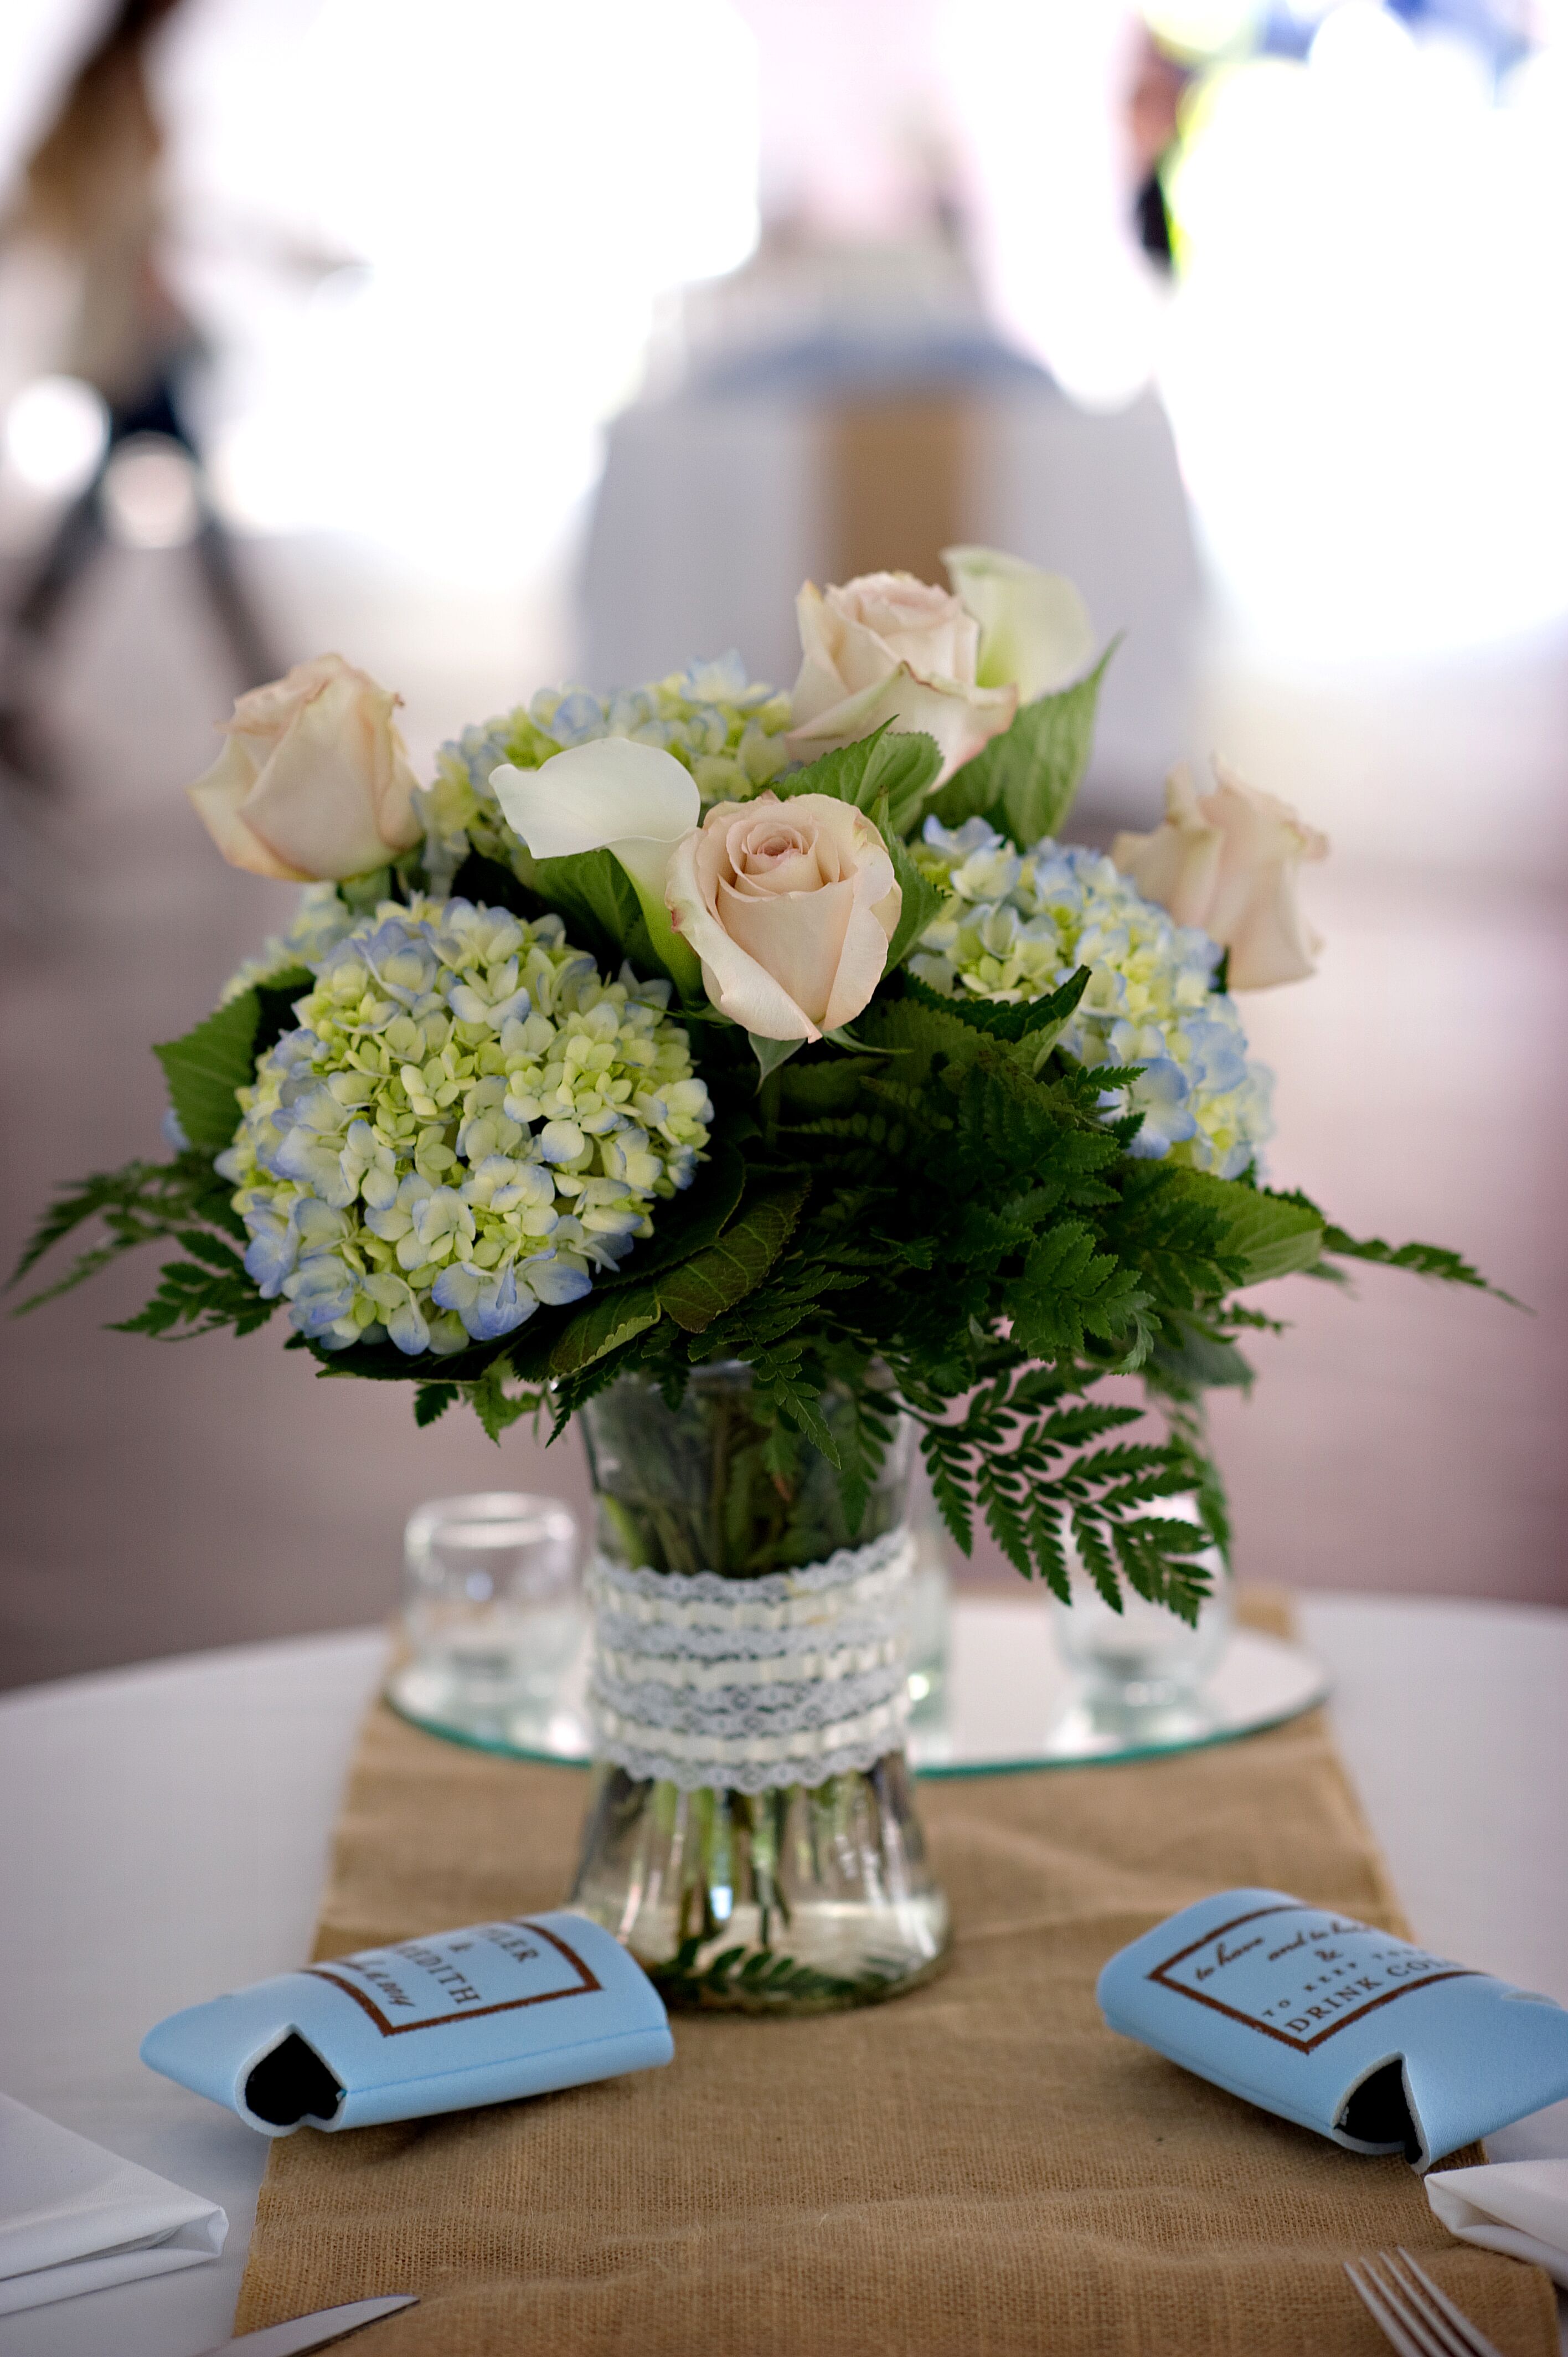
x: 788, y: 1679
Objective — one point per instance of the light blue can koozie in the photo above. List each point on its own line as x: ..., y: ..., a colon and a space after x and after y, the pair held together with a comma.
x: 477, y: 2016
x: 1342, y: 2028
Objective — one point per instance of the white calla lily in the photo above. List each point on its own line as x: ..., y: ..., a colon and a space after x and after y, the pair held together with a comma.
x: 611, y: 794
x: 1035, y: 629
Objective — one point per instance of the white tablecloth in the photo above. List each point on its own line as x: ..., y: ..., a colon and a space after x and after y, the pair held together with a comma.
x: 164, y: 1836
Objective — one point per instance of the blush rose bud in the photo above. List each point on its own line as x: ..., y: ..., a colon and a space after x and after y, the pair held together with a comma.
x: 1227, y: 863
x: 884, y: 648
x: 313, y: 782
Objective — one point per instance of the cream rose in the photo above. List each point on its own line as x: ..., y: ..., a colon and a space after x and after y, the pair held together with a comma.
x: 791, y: 907
x: 314, y: 781
x: 1227, y: 862
x: 887, y: 648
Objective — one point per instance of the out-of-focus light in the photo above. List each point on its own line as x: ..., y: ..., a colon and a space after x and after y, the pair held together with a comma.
x: 1366, y: 366
x: 56, y: 432
x: 520, y: 183
x: 1036, y: 94
x: 342, y: 287
x: 1201, y: 28
x: 1363, y: 43
x: 149, y: 495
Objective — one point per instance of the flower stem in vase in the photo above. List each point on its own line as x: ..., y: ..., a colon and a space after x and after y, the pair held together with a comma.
x: 753, y: 1836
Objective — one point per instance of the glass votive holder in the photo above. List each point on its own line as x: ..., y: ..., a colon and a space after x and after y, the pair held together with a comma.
x: 492, y: 1605
x: 1140, y: 1673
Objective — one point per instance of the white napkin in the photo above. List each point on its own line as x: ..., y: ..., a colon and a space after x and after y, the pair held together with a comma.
x: 75, y: 2218
x: 1516, y: 2206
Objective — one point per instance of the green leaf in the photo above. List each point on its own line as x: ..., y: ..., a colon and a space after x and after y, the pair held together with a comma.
x: 603, y: 1325
x: 140, y: 1204
x: 1422, y: 1260
x: 593, y: 893
x: 433, y: 1400
x: 1025, y: 779
x: 490, y: 1403
x: 1192, y: 1360
x: 922, y: 896
x: 901, y: 766
x: 702, y: 1288
x: 771, y: 1053
x: 901, y: 772
x: 1013, y: 1023
x: 205, y: 1068
x: 1271, y: 1235
x: 839, y: 773
x: 698, y: 1214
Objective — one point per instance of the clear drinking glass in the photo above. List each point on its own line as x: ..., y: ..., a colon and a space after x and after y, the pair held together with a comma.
x: 492, y: 1602
x: 1140, y: 1673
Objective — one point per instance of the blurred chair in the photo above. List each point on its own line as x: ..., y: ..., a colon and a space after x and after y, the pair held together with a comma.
x: 866, y: 417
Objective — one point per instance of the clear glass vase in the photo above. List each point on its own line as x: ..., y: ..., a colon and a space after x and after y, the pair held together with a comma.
x: 806, y: 1896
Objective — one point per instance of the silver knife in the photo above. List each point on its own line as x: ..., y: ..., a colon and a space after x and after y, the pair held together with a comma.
x: 311, y: 2331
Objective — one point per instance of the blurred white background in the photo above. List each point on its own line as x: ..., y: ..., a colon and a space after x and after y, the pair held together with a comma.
x: 431, y: 254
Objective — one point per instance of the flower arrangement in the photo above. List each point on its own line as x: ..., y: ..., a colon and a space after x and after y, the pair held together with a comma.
x: 699, y: 1023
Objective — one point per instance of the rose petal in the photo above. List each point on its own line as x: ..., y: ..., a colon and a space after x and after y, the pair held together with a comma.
x: 1179, y: 865
x: 1227, y: 861
x: 836, y: 658
x: 782, y: 962
x: 798, y: 939
x: 218, y: 797
x: 734, y: 983
x: 962, y: 719
x: 1271, y: 942
x: 312, y: 803
x: 912, y: 621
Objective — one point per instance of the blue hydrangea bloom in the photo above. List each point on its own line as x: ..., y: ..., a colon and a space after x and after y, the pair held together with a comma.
x: 1015, y: 925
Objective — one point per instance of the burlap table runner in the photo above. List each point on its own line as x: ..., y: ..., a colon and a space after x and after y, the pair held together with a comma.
x: 980, y: 2167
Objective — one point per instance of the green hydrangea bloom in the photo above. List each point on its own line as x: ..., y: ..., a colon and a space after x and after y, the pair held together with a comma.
x: 469, y: 1121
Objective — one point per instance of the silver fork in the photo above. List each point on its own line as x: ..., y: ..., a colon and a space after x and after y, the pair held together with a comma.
x: 1411, y: 2311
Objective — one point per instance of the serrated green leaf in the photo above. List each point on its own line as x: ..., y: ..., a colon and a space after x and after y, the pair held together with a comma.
x: 490, y: 1400
x: 901, y: 772
x: 1191, y: 1360
x: 1269, y: 1235
x: 703, y: 1288
x: 921, y: 898
x: 603, y: 1324
x: 1051, y: 1013
x: 204, y: 1069
x: 1025, y: 779
x: 697, y: 1215
x: 431, y: 1401
x: 900, y: 766
x: 1421, y: 1260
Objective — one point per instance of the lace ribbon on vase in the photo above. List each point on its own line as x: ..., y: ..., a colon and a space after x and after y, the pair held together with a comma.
x: 751, y: 1684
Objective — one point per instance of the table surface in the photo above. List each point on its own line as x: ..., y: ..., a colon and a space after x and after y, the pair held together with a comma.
x: 166, y: 1831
